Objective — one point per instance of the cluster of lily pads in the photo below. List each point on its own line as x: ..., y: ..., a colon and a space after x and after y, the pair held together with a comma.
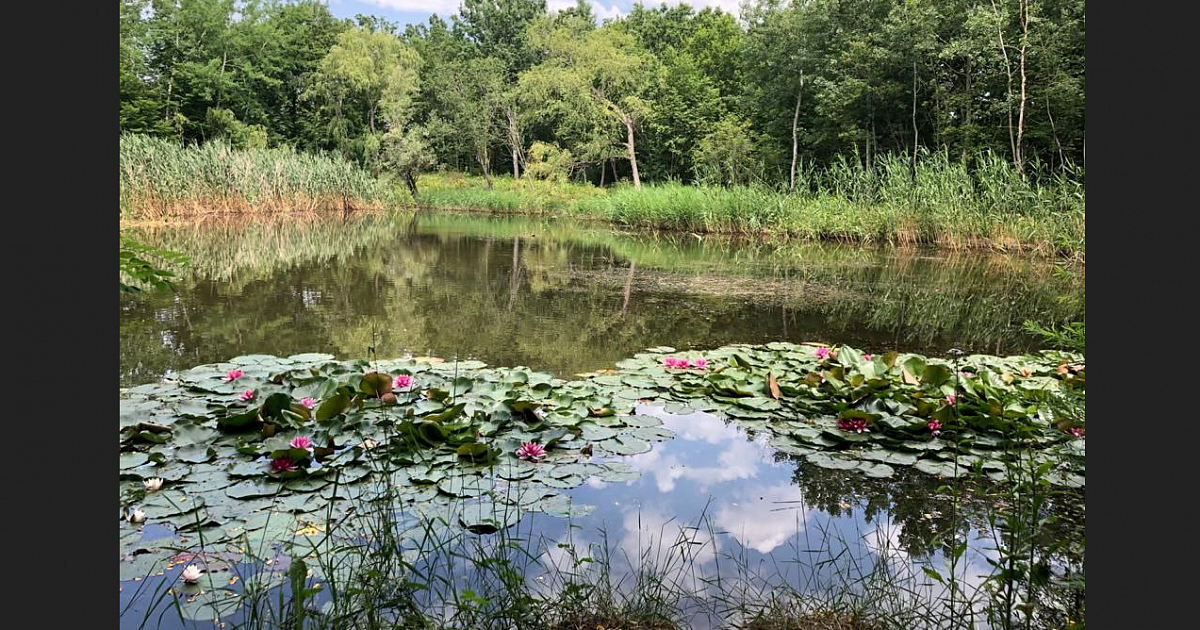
x: 239, y: 444
x: 263, y: 449
x: 842, y: 409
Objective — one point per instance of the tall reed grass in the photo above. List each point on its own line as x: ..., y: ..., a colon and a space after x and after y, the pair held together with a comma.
x: 160, y: 178
x: 945, y: 204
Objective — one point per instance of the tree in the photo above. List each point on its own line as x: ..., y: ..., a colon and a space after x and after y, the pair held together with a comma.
x: 406, y: 152
x: 727, y: 155
x: 602, y: 75
x: 474, y: 96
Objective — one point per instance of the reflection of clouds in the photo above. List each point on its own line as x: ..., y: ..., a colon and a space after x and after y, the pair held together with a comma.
x: 737, y: 458
x: 654, y: 539
x: 763, y: 518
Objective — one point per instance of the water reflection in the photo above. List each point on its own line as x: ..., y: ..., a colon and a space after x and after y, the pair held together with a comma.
x: 557, y: 296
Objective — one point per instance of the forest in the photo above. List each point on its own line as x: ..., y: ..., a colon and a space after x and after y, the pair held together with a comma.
x: 661, y: 94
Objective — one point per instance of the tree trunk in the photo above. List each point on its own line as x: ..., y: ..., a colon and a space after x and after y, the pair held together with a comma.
x: 637, y: 181
x: 515, y: 142
x: 914, y: 122
x: 412, y: 185
x: 795, y: 135
x: 1012, y: 141
x: 1021, y: 112
x: 603, y: 165
x: 485, y: 164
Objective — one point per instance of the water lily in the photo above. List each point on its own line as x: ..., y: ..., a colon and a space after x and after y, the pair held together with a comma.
x: 152, y: 485
x: 301, y: 442
x: 966, y: 374
x: 403, y: 381
x: 532, y: 451
x: 282, y: 465
x: 309, y: 402
x: 853, y: 425
x: 1076, y: 431
x: 233, y: 375
x: 675, y: 362
x: 700, y: 364
x: 137, y: 516
x: 934, y: 427
x: 247, y: 395
x: 191, y: 574
x: 867, y: 357
x: 950, y: 399
x: 822, y: 353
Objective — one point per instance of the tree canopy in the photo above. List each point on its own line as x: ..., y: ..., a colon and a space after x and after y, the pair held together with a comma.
x: 662, y: 93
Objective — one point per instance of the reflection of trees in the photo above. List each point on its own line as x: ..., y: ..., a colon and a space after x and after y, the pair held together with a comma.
x: 553, y: 295
x: 926, y: 507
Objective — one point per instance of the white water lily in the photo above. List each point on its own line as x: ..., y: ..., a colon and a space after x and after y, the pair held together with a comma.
x: 191, y: 574
x: 137, y: 516
x: 153, y: 485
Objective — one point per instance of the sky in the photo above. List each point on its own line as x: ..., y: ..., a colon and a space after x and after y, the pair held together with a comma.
x: 418, y: 11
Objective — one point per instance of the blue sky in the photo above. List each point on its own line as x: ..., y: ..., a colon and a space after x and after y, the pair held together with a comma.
x: 417, y: 11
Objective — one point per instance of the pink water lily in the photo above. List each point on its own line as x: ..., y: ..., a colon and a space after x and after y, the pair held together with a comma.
x: 867, y: 357
x: 247, y: 395
x: 822, y: 353
x: 966, y: 374
x: 233, y: 375
x: 532, y: 451
x: 403, y: 381
x: 700, y: 364
x: 934, y: 427
x: 302, y: 441
x: 676, y: 363
x: 282, y: 465
x: 1076, y: 431
x: 853, y: 425
x: 309, y: 402
x: 950, y: 399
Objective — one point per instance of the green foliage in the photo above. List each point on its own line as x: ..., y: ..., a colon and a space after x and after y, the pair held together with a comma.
x: 727, y: 155
x: 142, y: 266
x: 865, y: 87
x: 549, y: 162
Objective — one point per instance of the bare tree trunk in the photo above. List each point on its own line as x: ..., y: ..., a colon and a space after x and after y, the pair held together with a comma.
x: 914, y: 122
x: 795, y: 135
x: 1054, y: 132
x: 515, y: 142
x: 637, y: 181
x: 1021, y: 112
x: 1012, y: 141
x: 603, y: 165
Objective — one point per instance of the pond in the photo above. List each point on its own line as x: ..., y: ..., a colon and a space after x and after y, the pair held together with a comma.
x: 565, y: 299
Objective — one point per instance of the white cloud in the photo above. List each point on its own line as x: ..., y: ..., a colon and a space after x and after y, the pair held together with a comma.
x: 601, y: 12
x: 442, y: 7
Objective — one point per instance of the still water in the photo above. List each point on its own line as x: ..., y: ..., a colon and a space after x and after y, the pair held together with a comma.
x: 561, y: 297
x: 567, y: 298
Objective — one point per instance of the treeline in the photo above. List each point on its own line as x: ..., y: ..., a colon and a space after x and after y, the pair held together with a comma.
x: 666, y: 93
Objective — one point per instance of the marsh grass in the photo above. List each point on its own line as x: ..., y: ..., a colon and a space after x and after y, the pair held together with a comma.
x: 945, y: 204
x: 160, y: 178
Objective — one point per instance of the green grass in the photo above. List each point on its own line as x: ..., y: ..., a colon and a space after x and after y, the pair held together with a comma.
x: 945, y: 205
x: 160, y: 178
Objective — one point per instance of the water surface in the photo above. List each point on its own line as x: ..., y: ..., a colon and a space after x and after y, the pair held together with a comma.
x: 562, y: 297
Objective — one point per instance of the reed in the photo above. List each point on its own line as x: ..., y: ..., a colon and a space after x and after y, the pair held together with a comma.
x: 161, y: 179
